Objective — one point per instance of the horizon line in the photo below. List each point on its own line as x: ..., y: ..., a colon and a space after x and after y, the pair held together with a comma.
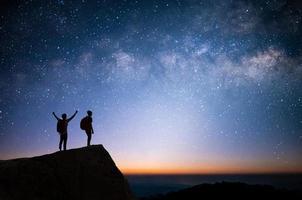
x: 211, y: 174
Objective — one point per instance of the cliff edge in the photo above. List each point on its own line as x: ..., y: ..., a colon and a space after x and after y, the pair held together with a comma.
x: 77, y: 174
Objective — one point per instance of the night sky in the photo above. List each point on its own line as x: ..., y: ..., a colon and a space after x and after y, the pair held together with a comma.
x: 174, y: 86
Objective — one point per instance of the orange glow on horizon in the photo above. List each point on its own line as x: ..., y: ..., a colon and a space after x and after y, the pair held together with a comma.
x: 211, y: 170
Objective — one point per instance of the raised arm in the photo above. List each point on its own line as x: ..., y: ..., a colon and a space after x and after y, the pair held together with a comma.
x: 69, y: 119
x: 55, y: 116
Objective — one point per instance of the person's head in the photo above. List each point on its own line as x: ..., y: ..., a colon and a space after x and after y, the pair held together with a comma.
x: 89, y: 113
x: 64, y: 116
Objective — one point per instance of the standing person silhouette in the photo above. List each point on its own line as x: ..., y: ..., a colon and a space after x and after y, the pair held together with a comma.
x: 86, y: 125
x: 62, y: 128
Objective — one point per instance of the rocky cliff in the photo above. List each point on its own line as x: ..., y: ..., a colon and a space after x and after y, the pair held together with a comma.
x: 79, y: 174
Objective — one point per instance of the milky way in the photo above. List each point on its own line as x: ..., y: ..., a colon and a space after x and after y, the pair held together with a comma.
x: 191, y: 86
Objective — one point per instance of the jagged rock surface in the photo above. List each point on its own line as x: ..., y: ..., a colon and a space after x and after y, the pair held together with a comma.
x: 77, y: 174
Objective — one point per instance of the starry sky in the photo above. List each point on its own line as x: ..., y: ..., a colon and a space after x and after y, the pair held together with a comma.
x: 183, y: 86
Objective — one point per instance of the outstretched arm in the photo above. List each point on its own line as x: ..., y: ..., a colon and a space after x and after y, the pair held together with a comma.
x: 55, y: 116
x: 72, y: 116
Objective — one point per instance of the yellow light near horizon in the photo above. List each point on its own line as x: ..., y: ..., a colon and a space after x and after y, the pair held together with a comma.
x: 207, y: 169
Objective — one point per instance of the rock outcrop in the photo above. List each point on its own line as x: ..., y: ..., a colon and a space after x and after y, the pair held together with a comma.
x: 79, y: 174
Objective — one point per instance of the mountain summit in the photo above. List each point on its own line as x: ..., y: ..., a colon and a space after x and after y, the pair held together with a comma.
x: 77, y: 174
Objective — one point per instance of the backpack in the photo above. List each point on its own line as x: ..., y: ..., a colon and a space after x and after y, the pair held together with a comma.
x: 84, y: 124
x: 60, y: 126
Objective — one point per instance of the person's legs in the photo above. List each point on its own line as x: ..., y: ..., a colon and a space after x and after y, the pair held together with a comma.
x: 61, y: 141
x: 89, y: 139
x: 88, y: 133
x: 65, y: 141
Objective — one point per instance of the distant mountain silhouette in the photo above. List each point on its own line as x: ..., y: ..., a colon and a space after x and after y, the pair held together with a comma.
x: 227, y: 190
x: 77, y: 174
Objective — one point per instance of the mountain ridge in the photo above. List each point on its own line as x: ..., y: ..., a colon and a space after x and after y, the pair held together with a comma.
x: 81, y: 173
x: 227, y: 190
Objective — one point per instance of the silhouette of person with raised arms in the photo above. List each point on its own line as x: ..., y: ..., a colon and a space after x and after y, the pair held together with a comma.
x: 86, y: 125
x: 62, y: 125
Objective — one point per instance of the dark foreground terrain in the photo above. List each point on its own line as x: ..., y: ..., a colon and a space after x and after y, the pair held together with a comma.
x: 89, y: 173
x: 227, y: 190
x: 77, y: 174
